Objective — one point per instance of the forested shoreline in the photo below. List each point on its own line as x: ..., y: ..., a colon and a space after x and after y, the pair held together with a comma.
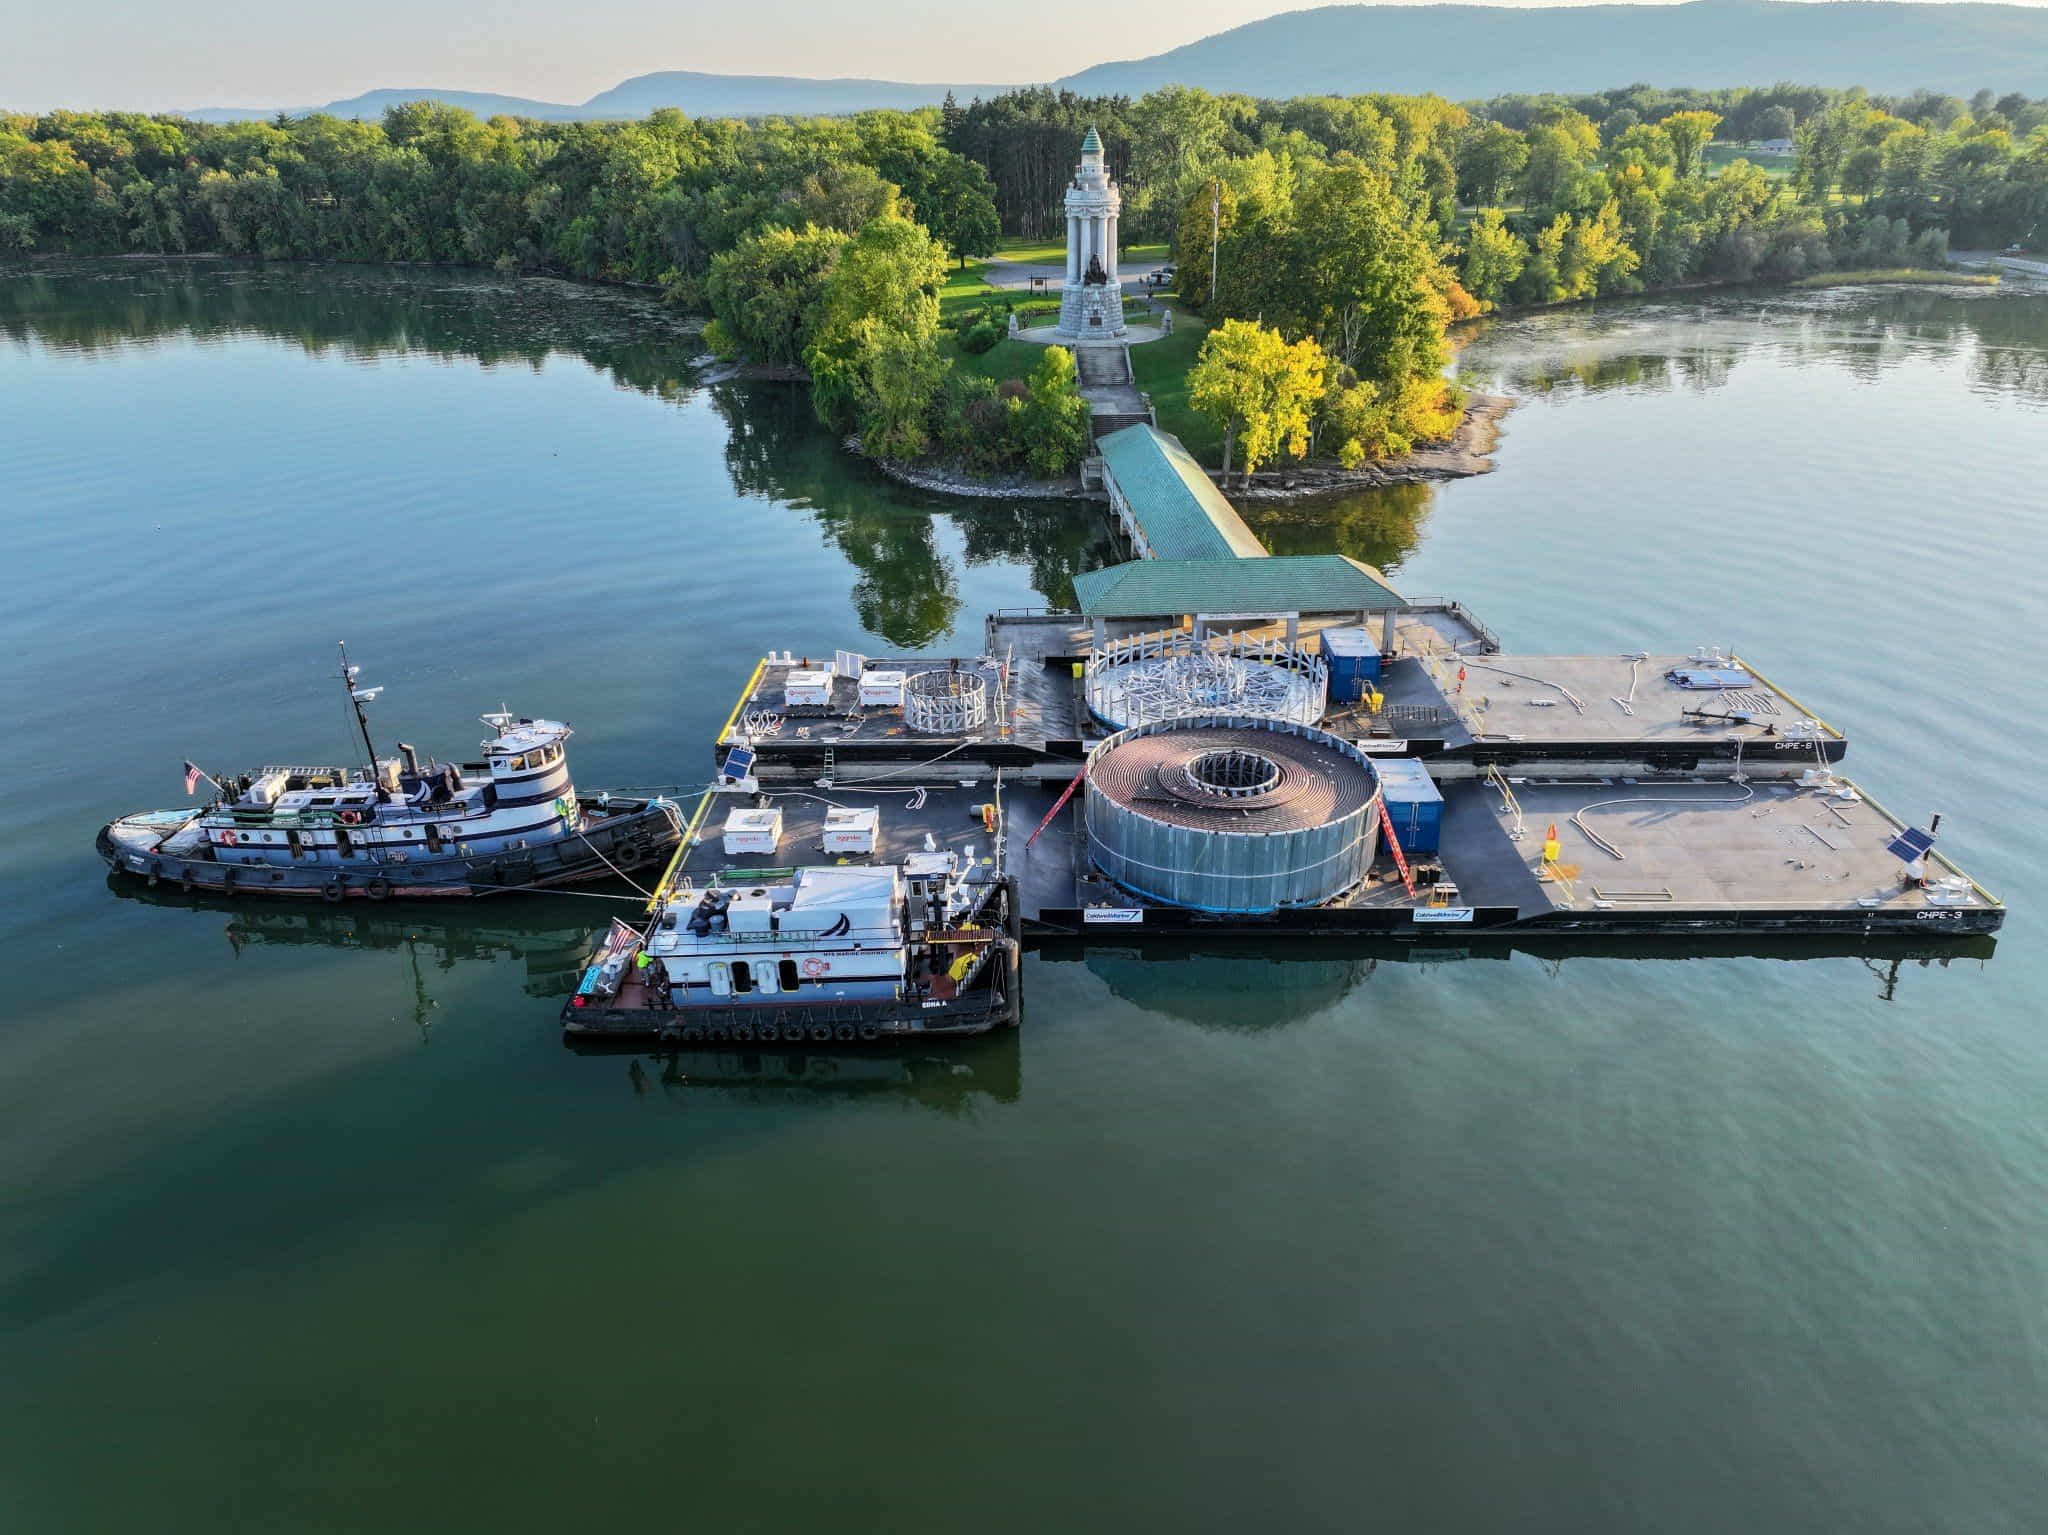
x: 1352, y: 229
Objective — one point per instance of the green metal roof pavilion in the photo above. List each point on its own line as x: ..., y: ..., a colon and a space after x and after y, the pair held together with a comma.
x: 1287, y: 583
x: 1167, y: 502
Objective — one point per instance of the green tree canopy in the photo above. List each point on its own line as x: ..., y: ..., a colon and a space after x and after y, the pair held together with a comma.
x: 1260, y: 388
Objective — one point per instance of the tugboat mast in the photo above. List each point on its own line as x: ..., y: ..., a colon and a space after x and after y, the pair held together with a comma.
x: 355, y: 702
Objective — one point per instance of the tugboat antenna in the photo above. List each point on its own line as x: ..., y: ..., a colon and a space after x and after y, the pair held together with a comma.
x: 348, y: 685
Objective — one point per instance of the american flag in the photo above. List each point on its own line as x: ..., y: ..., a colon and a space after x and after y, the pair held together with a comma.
x: 192, y: 776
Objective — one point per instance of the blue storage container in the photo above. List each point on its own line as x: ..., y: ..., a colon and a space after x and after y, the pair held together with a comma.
x: 1354, y: 657
x: 1414, y: 803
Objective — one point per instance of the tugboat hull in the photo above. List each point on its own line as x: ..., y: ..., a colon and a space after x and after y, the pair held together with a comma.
x: 786, y: 1021
x: 632, y: 835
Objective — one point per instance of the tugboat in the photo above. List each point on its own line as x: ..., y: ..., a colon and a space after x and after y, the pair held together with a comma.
x: 829, y: 954
x: 398, y: 826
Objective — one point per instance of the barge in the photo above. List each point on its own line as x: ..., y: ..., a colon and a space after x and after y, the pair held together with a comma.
x: 1391, y: 774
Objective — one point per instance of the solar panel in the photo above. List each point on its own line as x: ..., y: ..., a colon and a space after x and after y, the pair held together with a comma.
x: 1910, y: 845
x: 739, y: 762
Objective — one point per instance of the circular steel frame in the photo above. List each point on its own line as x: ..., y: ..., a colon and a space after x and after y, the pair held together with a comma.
x: 1174, y: 675
x: 945, y: 703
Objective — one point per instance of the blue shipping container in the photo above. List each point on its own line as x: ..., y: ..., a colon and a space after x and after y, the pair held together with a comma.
x: 1354, y: 657
x: 1414, y: 803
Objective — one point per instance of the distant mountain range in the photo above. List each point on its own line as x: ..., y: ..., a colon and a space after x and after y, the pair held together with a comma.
x: 1459, y: 51
x: 700, y: 95
x: 1466, y: 52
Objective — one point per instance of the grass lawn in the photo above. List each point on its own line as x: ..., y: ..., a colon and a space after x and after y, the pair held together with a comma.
x: 965, y: 288
x: 1941, y: 279
x: 1160, y: 369
x: 1006, y: 359
x: 1715, y: 156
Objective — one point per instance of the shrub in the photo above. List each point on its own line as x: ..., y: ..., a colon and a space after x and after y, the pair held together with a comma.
x: 718, y: 341
x: 980, y: 337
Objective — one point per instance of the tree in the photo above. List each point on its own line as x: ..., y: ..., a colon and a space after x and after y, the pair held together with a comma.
x: 1773, y: 122
x: 1494, y: 257
x: 1050, y: 423
x: 878, y: 309
x: 843, y: 197
x: 1863, y: 171
x: 1368, y: 274
x: 1540, y: 282
x: 765, y: 291
x: 1645, y: 146
x: 1595, y: 258
x: 1690, y: 133
x: 958, y: 206
x: 1176, y: 135
x: 1561, y: 146
x: 1489, y: 160
x: 904, y: 372
x: 1259, y: 388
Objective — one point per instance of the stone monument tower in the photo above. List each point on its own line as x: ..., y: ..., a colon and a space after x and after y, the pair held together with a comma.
x: 1092, y: 300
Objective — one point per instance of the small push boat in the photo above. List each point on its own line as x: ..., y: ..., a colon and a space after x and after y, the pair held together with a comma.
x: 826, y: 954
x: 399, y: 826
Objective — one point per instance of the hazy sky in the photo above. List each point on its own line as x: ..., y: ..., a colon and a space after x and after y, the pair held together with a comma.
x: 162, y: 54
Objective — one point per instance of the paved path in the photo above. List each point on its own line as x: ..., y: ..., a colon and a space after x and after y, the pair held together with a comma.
x: 2029, y: 266
x: 998, y: 273
x: 1135, y: 334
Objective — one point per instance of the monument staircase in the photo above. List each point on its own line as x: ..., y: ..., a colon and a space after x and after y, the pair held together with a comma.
x: 1103, y: 370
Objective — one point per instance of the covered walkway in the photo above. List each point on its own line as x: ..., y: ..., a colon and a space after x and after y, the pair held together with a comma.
x: 1166, y: 503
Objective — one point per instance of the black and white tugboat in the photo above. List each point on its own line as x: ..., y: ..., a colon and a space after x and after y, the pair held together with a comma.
x: 841, y: 954
x: 398, y: 825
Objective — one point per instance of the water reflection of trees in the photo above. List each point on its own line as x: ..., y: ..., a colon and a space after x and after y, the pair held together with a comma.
x: 1055, y: 540
x: 906, y: 590
x: 1656, y: 347
x: 906, y: 587
x: 91, y: 306
x: 1381, y: 527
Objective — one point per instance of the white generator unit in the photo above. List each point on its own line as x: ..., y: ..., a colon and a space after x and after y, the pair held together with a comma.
x: 807, y: 690
x: 752, y: 831
x: 751, y: 911
x: 881, y: 690
x: 852, y: 831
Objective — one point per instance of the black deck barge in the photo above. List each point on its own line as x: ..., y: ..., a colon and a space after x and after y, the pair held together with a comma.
x: 1704, y: 814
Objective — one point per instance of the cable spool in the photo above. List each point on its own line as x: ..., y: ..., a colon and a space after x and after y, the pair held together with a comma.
x: 1232, y: 814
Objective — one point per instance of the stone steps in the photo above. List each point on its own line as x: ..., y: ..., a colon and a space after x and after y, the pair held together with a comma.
x: 1102, y: 367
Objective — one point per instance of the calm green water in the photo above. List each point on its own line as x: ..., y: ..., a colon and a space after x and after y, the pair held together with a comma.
x: 311, y: 1223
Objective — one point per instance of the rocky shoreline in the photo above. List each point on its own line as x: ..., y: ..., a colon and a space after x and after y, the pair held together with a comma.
x: 1466, y: 452
x: 951, y: 480
x: 713, y: 370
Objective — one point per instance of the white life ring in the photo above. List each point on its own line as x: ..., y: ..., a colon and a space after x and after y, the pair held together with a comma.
x: 815, y: 967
